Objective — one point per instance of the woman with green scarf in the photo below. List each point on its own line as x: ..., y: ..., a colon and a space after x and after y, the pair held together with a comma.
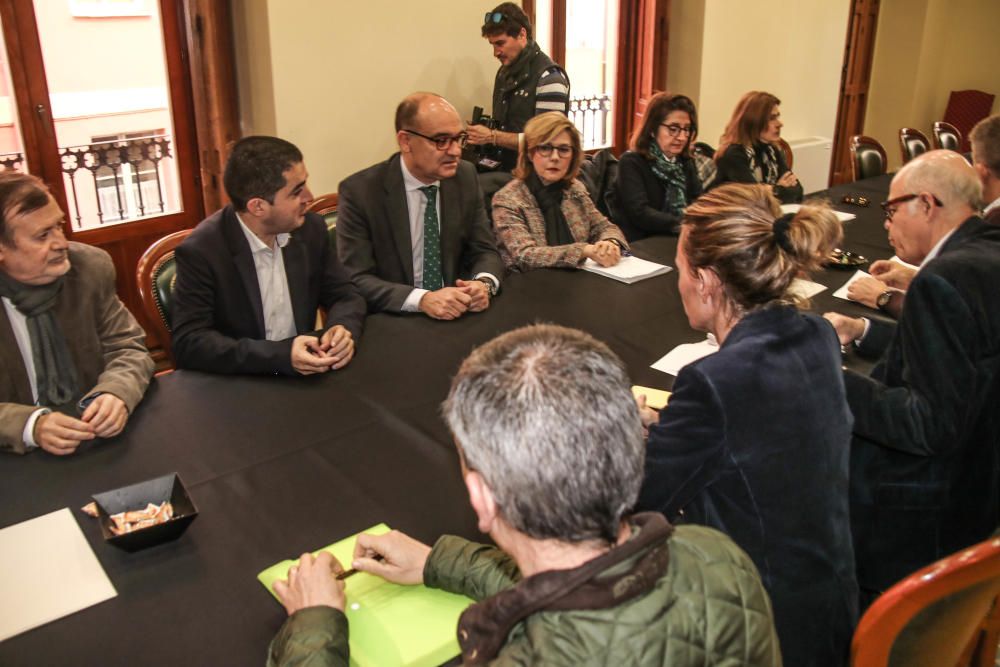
x: 657, y: 178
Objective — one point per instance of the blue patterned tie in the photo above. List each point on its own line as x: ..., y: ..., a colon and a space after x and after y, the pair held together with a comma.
x: 432, y: 241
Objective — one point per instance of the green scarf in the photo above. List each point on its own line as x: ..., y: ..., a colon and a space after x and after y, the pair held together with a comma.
x: 671, y: 174
x: 55, y: 371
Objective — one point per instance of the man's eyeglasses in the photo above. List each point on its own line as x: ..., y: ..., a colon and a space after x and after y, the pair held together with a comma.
x: 892, y: 205
x: 443, y: 142
x: 673, y: 129
x: 545, y: 150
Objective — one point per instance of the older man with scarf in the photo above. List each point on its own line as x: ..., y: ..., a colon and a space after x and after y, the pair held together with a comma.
x: 72, y: 360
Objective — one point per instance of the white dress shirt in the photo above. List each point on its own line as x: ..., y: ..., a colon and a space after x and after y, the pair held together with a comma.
x: 279, y: 320
x: 994, y: 204
x: 416, y: 205
x: 19, y: 323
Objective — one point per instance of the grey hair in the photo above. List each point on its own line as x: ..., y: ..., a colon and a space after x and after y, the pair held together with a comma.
x: 545, y: 414
x: 951, y: 186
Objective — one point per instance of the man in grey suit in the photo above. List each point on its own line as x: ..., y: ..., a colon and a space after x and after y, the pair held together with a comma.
x: 73, y: 365
x: 412, y: 231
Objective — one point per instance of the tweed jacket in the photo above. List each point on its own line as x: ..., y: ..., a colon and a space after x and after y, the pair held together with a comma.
x: 105, y: 341
x: 520, y: 228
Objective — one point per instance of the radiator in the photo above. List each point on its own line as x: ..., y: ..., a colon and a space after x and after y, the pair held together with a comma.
x: 812, y: 162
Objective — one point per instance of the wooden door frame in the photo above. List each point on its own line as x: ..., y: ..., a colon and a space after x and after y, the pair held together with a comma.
x: 201, y: 85
x: 859, y: 52
x: 643, y: 33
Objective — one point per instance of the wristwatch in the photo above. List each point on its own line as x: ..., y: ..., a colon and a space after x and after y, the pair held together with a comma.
x: 883, y: 299
x: 490, y: 287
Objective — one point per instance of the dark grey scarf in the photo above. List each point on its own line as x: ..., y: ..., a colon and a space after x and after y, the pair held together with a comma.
x: 55, y: 372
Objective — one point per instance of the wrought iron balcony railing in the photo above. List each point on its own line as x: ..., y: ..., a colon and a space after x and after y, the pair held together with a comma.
x: 591, y: 114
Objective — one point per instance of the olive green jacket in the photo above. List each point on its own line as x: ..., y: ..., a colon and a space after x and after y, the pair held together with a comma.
x: 710, y: 608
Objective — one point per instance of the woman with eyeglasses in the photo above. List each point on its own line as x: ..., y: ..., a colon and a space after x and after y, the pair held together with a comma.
x: 658, y: 177
x: 545, y: 216
x: 755, y: 440
x: 749, y: 150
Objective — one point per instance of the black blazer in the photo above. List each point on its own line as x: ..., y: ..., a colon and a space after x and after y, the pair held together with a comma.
x: 733, y: 166
x: 924, y: 461
x: 373, y: 232
x: 636, y: 198
x: 755, y: 442
x: 217, y: 316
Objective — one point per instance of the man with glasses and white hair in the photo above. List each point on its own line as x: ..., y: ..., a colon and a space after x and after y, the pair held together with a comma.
x: 551, y: 450
x: 924, y: 460
x: 412, y: 230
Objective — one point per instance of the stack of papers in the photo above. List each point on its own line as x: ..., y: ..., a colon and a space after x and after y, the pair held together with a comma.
x: 390, y: 624
x: 655, y: 398
x: 682, y: 355
x: 629, y: 270
x: 47, y: 571
x: 794, y: 208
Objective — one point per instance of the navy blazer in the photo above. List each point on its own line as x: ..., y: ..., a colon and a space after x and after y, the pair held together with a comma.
x: 218, y: 318
x: 373, y: 232
x: 754, y: 442
x: 924, y: 461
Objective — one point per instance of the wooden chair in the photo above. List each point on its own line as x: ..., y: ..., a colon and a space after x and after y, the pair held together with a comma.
x: 155, y: 274
x: 912, y: 143
x: 787, y: 150
x: 326, y: 206
x: 947, y: 136
x: 868, y: 158
x: 944, y: 615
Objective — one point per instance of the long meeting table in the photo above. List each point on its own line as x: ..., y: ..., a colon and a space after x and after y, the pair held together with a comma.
x: 278, y: 466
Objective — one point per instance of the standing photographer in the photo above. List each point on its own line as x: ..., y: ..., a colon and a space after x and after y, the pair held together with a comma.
x: 528, y: 83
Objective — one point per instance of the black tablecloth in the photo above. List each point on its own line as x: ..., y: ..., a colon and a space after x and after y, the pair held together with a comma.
x: 279, y: 466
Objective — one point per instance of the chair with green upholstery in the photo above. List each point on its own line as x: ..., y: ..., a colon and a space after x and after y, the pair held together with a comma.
x: 156, y: 275
x: 326, y: 206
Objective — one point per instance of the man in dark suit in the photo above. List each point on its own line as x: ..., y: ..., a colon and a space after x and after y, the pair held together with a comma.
x: 985, y: 140
x: 924, y: 459
x: 251, y: 276
x: 73, y: 364
x: 412, y: 230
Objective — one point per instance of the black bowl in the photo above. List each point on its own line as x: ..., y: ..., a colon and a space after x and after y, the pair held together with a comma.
x: 137, y: 496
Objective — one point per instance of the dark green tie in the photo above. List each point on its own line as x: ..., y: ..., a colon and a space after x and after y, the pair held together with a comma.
x: 432, y: 241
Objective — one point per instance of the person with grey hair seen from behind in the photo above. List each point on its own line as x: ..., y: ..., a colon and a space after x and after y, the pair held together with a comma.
x: 551, y: 449
x: 926, y: 451
x: 741, y: 446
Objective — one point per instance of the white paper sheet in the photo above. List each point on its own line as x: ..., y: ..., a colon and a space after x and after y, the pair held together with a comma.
x: 47, y: 571
x: 629, y: 270
x: 842, y: 292
x: 682, y: 355
x: 793, y: 208
x: 895, y: 258
x: 805, y: 289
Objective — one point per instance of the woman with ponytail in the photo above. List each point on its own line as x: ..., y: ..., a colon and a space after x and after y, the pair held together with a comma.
x: 756, y: 437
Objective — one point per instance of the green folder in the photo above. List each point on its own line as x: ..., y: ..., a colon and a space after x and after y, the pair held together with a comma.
x: 390, y: 624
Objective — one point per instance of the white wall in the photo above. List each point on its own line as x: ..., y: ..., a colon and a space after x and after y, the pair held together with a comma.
x: 327, y: 75
x: 720, y: 49
x: 924, y: 49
